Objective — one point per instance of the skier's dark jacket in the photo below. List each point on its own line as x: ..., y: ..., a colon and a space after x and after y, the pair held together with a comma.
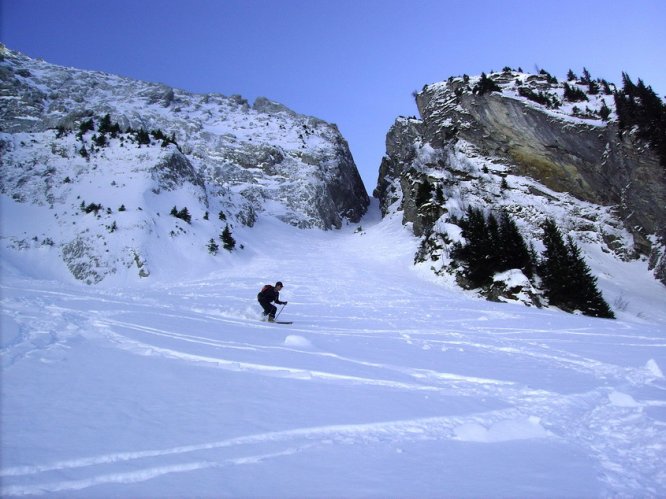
x: 269, y: 294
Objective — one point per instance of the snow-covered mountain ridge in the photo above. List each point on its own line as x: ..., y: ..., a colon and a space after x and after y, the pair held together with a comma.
x: 525, y: 147
x: 222, y: 159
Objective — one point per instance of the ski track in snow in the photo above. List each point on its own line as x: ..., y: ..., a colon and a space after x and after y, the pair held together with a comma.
x: 603, y: 412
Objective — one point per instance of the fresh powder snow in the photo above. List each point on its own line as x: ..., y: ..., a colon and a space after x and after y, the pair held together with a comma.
x: 389, y: 382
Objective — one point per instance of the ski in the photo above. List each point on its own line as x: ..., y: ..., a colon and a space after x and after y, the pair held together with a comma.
x: 283, y: 322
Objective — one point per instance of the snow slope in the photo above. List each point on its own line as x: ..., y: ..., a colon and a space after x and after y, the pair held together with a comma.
x: 387, y: 384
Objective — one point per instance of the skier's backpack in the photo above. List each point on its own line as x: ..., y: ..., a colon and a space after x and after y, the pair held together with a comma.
x: 265, y: 289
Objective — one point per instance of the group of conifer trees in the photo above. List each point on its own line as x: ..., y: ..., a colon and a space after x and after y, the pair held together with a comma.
x: 105, y: 129
x: 494, y: 245
x: 638, y: 105
x: 228, y: 241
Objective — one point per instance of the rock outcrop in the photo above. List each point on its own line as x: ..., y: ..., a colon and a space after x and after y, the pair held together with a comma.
x: 475, y: 147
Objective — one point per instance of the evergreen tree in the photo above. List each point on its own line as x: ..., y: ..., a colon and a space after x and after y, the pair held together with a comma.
x: 86, y: 126
x: 160, y: 135
x: 100, y: 140
x: 639, y: 106
x: 115, y: 130
x: 142, y: 137
x: 105, y: 124
x: 534, y: 259
x: 585, y: 295
x: 486, y: 85
x: 213, y: 247
x: 567, y: 280
x: 227, y: 239
x: 573, y: 93
x: 423, y: 193
x: 652, y: 115
x: 514, y: 252
x: 553, y: 266
x: 476, y: 252
x: 92, y: 207
x: 439, y: 195
x: 184, y: 214
x: 627, y: 85
x: 494, y: 247
x: 549, y: 78
x: 604, y: 112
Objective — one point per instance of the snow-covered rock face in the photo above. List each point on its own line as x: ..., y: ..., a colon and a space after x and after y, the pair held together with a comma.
x: 502, y: 149
x: 212, y: 154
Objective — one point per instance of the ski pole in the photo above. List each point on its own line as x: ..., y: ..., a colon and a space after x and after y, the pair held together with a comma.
x: 278, y: 315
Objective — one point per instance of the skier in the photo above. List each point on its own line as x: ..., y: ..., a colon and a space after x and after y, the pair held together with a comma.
x: 267, y: 295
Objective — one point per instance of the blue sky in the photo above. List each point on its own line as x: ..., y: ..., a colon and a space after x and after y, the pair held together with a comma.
x: 350, y: 62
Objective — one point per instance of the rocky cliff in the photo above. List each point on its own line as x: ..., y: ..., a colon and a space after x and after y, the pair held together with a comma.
x: 70, y: 137
x: 526, y: 147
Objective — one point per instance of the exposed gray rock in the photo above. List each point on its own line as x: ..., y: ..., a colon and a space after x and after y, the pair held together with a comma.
x: 174, y: 171
x: 401, y: 141
x: 81, y: 257
x: 264, y: 105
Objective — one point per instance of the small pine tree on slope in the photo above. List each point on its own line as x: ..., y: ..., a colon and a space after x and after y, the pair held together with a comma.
x: 228, y: 241
x: 213, y: 248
